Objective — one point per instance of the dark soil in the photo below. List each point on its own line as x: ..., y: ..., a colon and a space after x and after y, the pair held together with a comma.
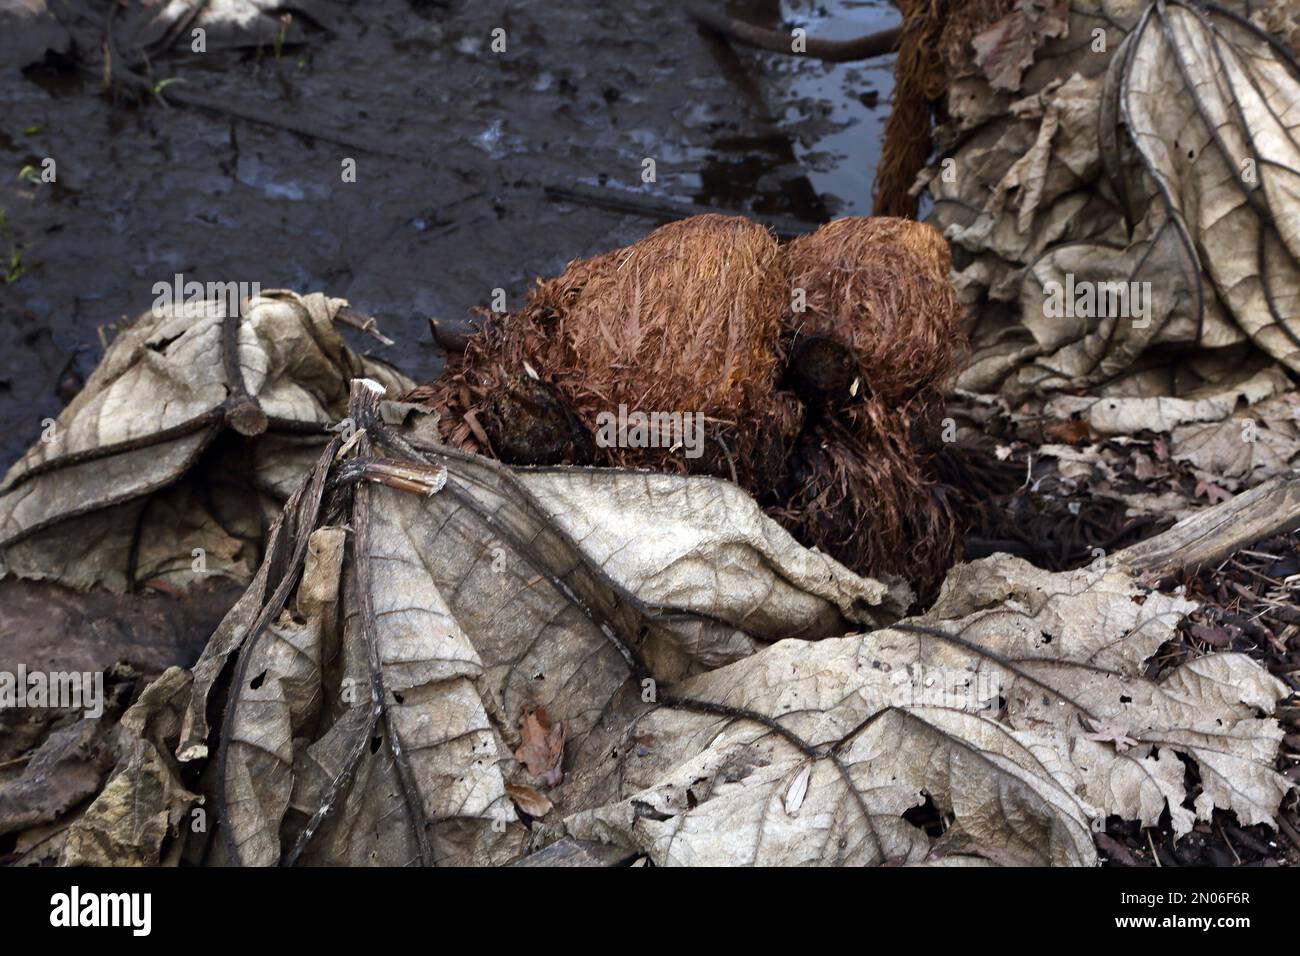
x: 1019, y: 502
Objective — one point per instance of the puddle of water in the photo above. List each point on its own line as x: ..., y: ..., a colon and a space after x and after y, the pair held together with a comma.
x: 842, y: 162
x: 830, y: 115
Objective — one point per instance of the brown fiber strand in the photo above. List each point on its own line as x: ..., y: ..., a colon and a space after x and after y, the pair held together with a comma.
x: 861, y: 488
x: 934, y: 50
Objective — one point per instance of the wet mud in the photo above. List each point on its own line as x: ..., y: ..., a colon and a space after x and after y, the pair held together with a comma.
x: 474, y: 170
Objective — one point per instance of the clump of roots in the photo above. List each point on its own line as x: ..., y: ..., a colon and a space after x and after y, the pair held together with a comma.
x: 871, y: 330
x: 825, y: 415
x: 876, y: 291
x: 685, y: 321
x: 860, y: 487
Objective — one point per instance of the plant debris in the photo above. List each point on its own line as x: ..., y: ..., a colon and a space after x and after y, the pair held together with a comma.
x: 368, y: 675
x: 1148, y: 153
x: 183, y: 445
x: 818, y: 367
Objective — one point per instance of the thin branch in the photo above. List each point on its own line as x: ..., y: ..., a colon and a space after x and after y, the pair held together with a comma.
x: 777, y: 41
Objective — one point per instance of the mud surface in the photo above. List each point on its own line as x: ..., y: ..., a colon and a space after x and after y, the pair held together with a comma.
x: 455, y: 149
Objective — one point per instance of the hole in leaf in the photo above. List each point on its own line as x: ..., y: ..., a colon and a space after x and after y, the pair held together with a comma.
x: 161, y: 344
x: 926, y: 817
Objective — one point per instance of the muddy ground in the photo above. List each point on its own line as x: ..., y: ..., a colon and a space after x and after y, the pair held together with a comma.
x: 455, y: 147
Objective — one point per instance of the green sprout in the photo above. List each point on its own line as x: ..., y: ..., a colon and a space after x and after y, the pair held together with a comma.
x: 15, y: 268
x: 278, y: 44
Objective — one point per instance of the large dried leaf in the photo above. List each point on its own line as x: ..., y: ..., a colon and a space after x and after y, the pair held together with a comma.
x: 1024, y: 721
x: 1169, y: 156
x: 387, y: 652
x: 382, y: 659
x: 119, y: 490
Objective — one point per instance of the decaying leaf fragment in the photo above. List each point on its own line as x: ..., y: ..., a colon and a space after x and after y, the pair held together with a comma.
x: 542, y: 750
x: 529, y: 800
x: 143, y: 802
x: 1006, y: 49
x: 66, y: 769
x: 1238, y: 433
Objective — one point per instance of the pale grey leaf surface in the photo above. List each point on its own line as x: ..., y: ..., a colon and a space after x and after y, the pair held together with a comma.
x: 505, y: 590
x: 1170, y: 156
x: 1024, y: 726
x: 373, y: 708
x: 191, y: 483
